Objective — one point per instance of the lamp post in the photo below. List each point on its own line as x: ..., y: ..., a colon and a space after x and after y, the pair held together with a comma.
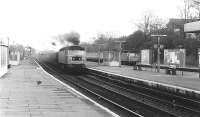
x: 158, y: 50
x: 199, y: 60
x: 99, y: 52
x: 120, y: 51
x: 8, y: 59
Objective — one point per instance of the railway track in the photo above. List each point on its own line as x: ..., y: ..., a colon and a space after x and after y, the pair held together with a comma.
x: 123, y: 96
x: 88, y: 90
x: 166, y: 101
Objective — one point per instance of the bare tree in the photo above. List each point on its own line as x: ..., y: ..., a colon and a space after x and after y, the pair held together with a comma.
x: 157, y: 26
x: 190, y: 10
x: 196, y: 6
x: 151, y: 24
x: 145, y: 25
x: 185, y: 10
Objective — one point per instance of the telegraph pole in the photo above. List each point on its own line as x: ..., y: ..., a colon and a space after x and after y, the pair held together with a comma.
x: 99, y: 53
x: 8, y: 59
x: 120, y: 51
x: 158, y: 50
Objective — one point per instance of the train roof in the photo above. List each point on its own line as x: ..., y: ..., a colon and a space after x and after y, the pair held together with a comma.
x: 74, y: 47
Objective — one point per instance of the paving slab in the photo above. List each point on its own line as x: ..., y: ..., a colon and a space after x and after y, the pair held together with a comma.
x: 22, y: 96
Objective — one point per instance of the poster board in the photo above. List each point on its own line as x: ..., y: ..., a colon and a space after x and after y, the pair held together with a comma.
x: 111, y: 58
x: 175, y: 57
x: 146, y: 57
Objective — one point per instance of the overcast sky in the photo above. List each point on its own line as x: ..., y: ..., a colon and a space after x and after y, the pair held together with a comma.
x: 35, y: 22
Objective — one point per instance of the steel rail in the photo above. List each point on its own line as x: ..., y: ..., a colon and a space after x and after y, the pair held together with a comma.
x: 49, y: 69
x: 159, y: 93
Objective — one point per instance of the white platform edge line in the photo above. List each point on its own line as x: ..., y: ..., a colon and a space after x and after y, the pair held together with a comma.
x: 168, y: 85
x: 97, y: 104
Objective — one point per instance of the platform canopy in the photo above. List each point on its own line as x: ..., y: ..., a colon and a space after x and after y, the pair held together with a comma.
x: 192, y: 27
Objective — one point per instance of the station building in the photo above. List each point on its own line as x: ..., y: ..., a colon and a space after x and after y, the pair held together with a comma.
x: 194, y: 28
x: 178, y: 26
x: 3, y: 56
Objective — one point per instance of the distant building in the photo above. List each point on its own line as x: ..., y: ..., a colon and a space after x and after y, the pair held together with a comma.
x: 28, y: 51
x: 14, y: 57
x: 177, y: 26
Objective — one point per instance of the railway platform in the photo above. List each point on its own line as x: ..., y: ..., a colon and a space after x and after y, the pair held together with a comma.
x: 27, y: 91
x: 185, y: 81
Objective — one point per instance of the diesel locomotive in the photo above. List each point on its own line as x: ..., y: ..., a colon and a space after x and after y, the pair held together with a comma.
x: 72, y: 57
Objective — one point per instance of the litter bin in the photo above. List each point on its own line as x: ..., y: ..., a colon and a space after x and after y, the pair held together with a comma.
x: 138, y: 66
x: 167, y: 71
x: 9, y: 66
x: 173, y: 71
x: 134, y: 65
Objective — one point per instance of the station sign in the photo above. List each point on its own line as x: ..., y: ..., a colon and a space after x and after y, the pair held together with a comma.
x: 192, y: 27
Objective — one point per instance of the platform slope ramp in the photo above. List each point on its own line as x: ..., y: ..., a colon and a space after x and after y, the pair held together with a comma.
x: 27, y: 91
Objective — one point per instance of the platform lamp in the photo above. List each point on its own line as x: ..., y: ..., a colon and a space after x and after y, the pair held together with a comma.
x: 158, y: 49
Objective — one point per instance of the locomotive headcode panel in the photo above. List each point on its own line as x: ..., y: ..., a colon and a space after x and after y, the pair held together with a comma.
x: 77, y: 55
